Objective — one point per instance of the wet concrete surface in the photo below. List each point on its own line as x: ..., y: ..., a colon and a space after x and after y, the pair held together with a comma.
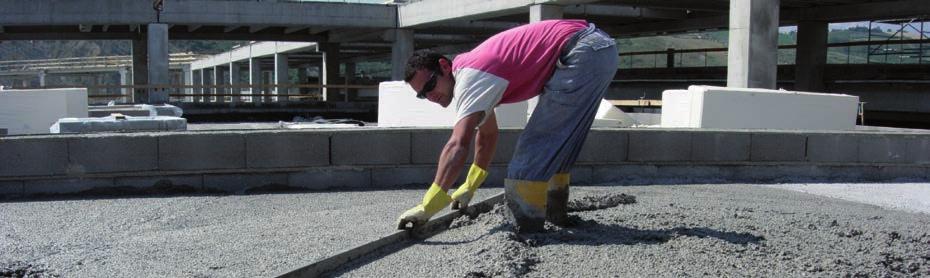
x: 672, y: 231
x: 193, y: 236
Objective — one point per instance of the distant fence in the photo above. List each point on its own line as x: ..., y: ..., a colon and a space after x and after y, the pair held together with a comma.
x: 99, y: 94
x: 715, y: 57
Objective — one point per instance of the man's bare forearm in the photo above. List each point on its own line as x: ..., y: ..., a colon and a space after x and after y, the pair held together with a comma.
x: 454, y: 153
x: 486, y: 142
x: 450, y: 163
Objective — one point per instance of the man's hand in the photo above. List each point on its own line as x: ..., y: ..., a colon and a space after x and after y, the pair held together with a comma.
x: 434, y: 201
x: 462, y: 196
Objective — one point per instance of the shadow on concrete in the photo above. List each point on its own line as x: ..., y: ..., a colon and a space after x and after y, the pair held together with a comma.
x: 590, y: 232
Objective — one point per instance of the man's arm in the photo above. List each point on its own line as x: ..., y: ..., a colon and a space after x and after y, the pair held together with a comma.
x: 486, y: 142
x: 456, y: 150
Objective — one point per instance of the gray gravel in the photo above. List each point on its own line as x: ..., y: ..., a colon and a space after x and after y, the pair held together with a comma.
x: 688, y: 230
x: 207, y: 236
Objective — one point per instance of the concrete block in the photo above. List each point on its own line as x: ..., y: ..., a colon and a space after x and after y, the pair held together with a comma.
x: 112, y: 154
x: 918, y: 150
x: 773, y: 173
x: 238, y: 183
x: 581, y: 175
x: 272, y: 150
x: 403, y: 176
x: 689, y: 173
x: 195, y: 181
x: 660, y: 146
x: 426, y: 145
x: 496, y: 176
x: 33, y: 156
x: 883, y: 149
x: 832, y: 148
x: 778, y: 147
x: 63, y: 186
x: 332, y: 178
x: 841, y: 173
x: 11, y: 189
x: 201, y: 151
x: 506, y: 144
x: 613, y: 174
x: 720, y: 146
x: 605, y: 146
x: 370, y: 147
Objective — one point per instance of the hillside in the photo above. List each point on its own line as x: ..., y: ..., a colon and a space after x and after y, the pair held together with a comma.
x: 29, y: 50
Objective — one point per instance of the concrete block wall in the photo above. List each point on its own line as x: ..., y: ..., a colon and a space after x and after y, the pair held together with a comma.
x: 384, y: 158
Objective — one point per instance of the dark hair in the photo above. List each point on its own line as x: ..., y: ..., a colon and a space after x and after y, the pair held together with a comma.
x: 422, y: 59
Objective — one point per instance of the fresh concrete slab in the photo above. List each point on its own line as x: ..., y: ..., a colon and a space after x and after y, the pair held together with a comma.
x: 913, y: 197
x: 196, y: 236
x: 686, y: 230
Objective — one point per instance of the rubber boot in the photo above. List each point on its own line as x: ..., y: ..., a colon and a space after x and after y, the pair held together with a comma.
x: 526, y: 201
x: 557, y: 203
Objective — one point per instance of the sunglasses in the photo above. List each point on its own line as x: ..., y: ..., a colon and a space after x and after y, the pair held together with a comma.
x: 429, y: 86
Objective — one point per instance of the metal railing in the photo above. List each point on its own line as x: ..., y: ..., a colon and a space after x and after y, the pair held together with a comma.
x: 221, y: 93
x: 673, y: 58
x: 121, y: 61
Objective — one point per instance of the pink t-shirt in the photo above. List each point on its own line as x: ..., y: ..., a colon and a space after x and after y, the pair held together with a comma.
x: 524, y: 56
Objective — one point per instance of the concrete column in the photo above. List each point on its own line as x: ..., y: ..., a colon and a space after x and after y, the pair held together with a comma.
x: 302, y: 79
x: 124, y: 81
x: 140, y: 68
x: 330, y: 70
x: 204, y: 80
x: 752, y: 60
x: 234, y: 74
x: 195, y: 82
x: 811, y: 57
x: 351, y: 94
x: 42, y: 75
x: 543, y: 12
x: 401, y: 50
x: 217, y: 80
x: 255, y: 79
x: 158, y: 62
x: 319, y: 79
x: 281, y: 76
x: 187, y: 76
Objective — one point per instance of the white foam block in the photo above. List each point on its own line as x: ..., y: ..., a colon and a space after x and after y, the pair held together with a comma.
x: 398, y: 106
x: 34, y: 111
x: 718, y: 107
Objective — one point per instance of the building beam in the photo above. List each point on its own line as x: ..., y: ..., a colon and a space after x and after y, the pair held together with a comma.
x: 219, y: 13
x: 625, y: 11
x: 421, y: 13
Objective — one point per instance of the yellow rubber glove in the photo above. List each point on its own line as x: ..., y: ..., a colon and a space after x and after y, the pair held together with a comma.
x: 435, y: 200
x: 462, y: 196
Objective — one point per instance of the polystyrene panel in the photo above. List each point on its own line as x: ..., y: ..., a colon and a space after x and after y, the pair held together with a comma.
x: 676, y: 108
x: 718, y: 107
x: 34, y: 111
x: 399, y: 107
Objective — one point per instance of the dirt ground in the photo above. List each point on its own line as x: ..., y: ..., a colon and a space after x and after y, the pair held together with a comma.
x: 682, y: 230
